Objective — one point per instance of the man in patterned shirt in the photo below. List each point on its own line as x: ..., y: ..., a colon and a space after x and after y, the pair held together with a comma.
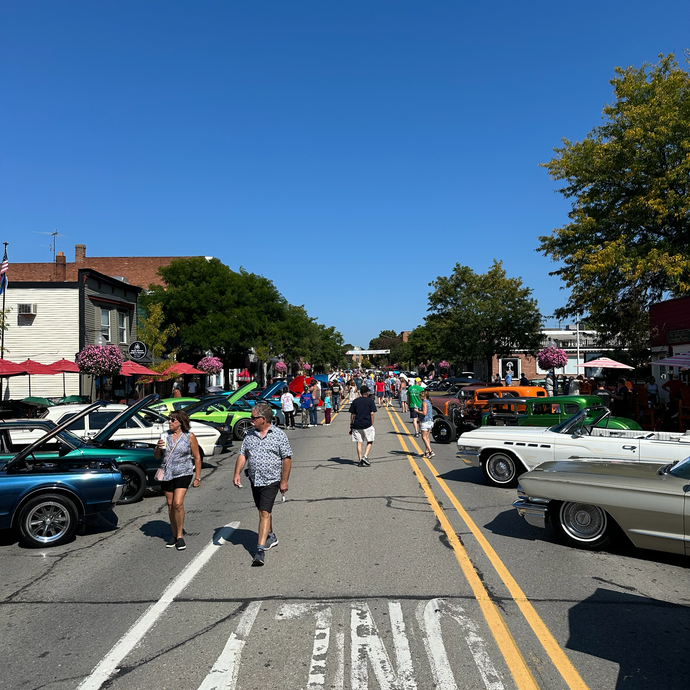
x: 267, y: 451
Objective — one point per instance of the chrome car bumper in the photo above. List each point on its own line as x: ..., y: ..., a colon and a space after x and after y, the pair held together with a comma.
x: 469, y: 456
x: 534, y: 510
x: 119, y: 491
x: 217, y: 450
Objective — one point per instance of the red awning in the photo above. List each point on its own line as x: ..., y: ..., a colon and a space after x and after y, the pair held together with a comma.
x: 11, y: 369
x: 32, y: 368
x: 182, y: 368
x: 64, y: 366
x: 130, y: 368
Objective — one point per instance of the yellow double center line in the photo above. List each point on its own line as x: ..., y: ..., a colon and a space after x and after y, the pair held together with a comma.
x: 522, y: 675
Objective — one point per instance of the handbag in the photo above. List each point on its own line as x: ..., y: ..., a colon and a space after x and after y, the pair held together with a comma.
x: 160, y: 472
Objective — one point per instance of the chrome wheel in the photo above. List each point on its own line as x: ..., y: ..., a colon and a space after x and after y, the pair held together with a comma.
x: 241, y: 428
x: 501, y: 469
x: 47, y: 520
x: 583, y: 525
x: 443, y: 431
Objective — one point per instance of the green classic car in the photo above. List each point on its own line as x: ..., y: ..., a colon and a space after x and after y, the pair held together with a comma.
x: 224, y: 409
x: 168, y: 405
x: 546, y: 411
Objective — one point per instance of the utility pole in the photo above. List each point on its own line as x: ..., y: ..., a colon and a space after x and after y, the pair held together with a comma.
x: 3, y: 283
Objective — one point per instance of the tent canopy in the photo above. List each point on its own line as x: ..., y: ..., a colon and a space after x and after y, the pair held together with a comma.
x: 681, y: 360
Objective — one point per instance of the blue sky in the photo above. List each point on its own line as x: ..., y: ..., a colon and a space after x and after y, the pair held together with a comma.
x: 349, y: 151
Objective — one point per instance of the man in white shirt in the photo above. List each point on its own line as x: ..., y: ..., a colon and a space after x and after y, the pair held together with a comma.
x: 191, y: 388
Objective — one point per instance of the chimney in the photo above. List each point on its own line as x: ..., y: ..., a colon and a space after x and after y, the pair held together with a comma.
x: 79, y: 253
x: 60, y: 267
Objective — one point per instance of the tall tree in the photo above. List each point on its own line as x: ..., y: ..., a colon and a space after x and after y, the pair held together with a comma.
x: 220, y: 310
x: 476, y: 316
x: 628, y: 240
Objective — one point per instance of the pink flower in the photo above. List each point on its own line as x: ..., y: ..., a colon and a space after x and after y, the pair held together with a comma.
x: 552, y: 358
x: 307, y: 367
x: 281, y: 366
x: 211, y: 365
x: 100, y: 360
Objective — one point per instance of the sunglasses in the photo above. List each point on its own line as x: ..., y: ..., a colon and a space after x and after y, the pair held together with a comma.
x: 255, y: 417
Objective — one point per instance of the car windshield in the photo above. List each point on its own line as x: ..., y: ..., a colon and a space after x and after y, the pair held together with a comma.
x: 213, y: 404
x: 583, y: 421
x: 681, y: 469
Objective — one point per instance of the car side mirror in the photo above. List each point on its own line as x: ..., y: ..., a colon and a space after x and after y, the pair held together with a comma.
x: 63, y: 449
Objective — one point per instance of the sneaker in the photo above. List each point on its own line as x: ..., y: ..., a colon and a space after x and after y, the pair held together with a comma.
x: 431, y: 454
x: 271, y: 541
x: 180, y: 545
x: 417, y: 435
x: 258, y: 558
x: 360, y: 464
x: 171, y: 543
x: 365, y: 461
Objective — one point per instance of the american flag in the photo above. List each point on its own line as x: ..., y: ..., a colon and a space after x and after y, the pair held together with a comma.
x: 3, y: 273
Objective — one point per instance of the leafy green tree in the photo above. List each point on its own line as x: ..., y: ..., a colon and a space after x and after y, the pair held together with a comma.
x: 386, y: 340
x: 476, y: 316
x: 628, y: 240
x: 423, y: 344
x: 219, y: 310
x: 154, y: 336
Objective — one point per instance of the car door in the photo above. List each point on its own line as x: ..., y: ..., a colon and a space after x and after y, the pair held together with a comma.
x: 583, y: 440
x: 663, y: 451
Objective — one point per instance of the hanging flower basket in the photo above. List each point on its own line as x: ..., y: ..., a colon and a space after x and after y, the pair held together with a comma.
x: 210, y: 365
x: 552, y: 358
x: 100, y: 360
x: 281, y: 366
x: 443, y: 364
x: 307, y: 367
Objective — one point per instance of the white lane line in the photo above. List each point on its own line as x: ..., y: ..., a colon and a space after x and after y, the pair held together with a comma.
x: 429, y: 619
x: 367, y: 646
x: 108, y: 665
x: 339, y: 680
x: 223, y: 675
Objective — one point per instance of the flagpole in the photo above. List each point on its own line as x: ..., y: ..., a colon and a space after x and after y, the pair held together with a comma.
x: 4, y: 295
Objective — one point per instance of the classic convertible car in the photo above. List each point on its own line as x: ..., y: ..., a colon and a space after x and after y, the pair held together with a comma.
x: 504, y: 453
x: 47, y: 486
x: 583, y: 500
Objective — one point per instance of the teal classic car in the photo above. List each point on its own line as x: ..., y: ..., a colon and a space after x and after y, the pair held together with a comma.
x: 547, y: 411
x: 134, y: 459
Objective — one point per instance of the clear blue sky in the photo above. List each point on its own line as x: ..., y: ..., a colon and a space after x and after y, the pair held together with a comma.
x: 350, y: 151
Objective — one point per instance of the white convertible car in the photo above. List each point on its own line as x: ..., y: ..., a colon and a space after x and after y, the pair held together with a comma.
x: 504, y: 453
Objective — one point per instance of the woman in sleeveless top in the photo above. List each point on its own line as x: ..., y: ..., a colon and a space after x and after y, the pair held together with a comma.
x: 181, y: 465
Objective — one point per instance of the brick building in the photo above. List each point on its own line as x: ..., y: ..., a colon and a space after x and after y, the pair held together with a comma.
x: 136, y: 270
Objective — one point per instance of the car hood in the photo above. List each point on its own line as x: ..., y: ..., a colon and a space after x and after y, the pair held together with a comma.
x: 503, y: 432
x: 273, y: 389
x: 107, y: 431
x: 36, y: 446
x: 242, y: 392
x: 598, y: 473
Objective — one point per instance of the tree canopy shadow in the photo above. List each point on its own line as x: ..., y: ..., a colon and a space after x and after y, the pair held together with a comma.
x: 648, y: 638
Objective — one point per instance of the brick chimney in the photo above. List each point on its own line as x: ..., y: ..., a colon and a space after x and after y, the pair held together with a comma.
x: 60, y: 267
x: 79, y: 253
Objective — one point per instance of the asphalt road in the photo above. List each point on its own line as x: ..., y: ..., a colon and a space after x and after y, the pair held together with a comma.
x: 403, y: 575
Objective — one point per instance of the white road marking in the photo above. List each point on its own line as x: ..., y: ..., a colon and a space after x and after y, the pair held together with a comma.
x: 367, y: 646
x: 108, y: 665
x: 223, y: 675
x: 322, y: 637
x: 429, y: 619
x: 339, y: 680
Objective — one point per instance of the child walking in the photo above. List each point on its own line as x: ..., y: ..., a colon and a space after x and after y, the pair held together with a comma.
x: 327, y: 408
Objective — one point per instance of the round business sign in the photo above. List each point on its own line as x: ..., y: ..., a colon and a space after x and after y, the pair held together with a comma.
x: 137, y: 350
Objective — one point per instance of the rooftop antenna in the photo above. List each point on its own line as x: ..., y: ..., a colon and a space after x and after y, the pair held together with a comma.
x: 54, y: 235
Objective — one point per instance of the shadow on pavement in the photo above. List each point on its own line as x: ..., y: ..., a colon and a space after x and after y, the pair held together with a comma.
x: 647, y: 638
x: 466, y: 475
x: 342, y: 461
x: 244, y: 537
x: 158, y: 529
x: 510, y: 524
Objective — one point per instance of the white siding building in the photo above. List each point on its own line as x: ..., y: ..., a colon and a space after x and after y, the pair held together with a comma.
x: 47, y: 335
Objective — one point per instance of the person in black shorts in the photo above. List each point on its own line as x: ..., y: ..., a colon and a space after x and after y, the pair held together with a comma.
x: 268, y: 455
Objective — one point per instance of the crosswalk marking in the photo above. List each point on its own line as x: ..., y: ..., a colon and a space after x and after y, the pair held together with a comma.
x: 223, y: 675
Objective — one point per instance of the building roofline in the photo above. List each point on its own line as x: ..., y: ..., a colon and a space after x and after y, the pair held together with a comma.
x: 108, y: 279
x: 42, y: 284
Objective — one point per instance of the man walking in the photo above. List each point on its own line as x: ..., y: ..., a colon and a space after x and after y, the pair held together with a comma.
x: 267, y: 450
x: 362, y: 411
x: 336, y: 390
x: 415, y: 404
x: 306, y: 402
x: 315, y: 390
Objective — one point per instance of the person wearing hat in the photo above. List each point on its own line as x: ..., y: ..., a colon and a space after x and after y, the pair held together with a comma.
x: 415, y: 404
